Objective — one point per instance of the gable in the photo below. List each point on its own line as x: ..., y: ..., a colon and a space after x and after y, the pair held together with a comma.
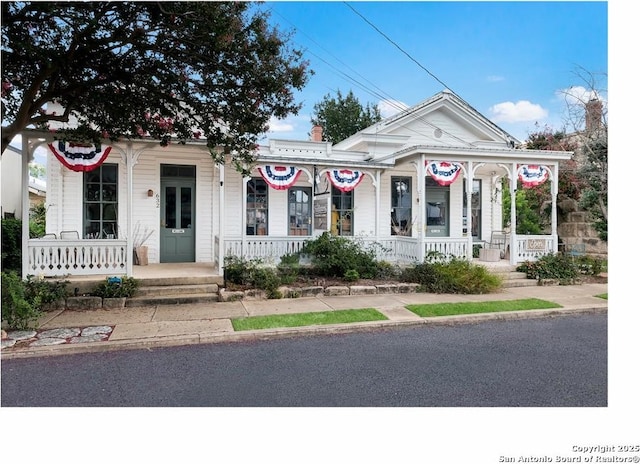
x: 444, y: 120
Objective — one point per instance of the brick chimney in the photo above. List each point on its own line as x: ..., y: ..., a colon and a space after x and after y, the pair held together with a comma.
x: 593, y: 115
x: 316, y: 133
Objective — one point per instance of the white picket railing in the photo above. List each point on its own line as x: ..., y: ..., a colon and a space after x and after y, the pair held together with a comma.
x: 77, y: 257
x: 532, y: 247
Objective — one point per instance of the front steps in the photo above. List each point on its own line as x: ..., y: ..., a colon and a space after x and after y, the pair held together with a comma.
x: 176, y: 290
x: 512, y: 278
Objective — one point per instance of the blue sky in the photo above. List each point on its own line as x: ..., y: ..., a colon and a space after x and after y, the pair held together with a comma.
x: 511, y: 61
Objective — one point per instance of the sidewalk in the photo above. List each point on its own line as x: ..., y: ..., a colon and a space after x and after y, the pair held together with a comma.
x: 66, y: 332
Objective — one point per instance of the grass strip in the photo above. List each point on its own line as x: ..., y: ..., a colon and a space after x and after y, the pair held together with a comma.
x: 454, y: 309
x: 302, y: 319
x: 604, y: 296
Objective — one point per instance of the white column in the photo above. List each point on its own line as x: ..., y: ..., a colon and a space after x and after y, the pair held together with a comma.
x: 377, y: 213
x: 25, y: 205
x: 554, y: 207
x: 129, y: 161
x: 221, y: 224
x: 514, y: 188
x: 421, y: 207
x: 469, y: 181
x: 243, y: 210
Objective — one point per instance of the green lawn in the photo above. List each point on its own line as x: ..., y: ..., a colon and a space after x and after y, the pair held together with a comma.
x: 604, y: 296
x: 452, y: 309
x: 302, y: 319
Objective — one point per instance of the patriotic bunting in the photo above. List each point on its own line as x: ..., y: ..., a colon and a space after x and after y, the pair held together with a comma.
x: 345, y: 179
x: 532, y: 175
x: 279, y: 177
x: 79, y: 157
x: 444, y: 172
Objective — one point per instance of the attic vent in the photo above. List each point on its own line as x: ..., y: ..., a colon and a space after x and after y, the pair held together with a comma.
x: 437, y: 133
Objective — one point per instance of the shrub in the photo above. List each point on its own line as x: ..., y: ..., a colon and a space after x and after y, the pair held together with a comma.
x: 452, y: 276
x: 289, y: 268
x: 237, y: 269
x: 388, y: 271
x: 12, y: 245
x: 116, y: 287
x: 19, y: 309
x: 333, y: 256
x: 351, y: 275
x: 552, y: 266
x: 49, y: 293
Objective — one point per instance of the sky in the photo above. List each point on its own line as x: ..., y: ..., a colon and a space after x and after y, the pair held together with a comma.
x: 514, y: 62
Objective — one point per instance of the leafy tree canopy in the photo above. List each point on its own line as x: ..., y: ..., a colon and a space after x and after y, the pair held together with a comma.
x: 341, y: 117
x: 166, y: 70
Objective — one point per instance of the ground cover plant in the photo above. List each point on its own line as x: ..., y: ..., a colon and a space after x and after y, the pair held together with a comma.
x: 305, y: 319
x: 476, y: 307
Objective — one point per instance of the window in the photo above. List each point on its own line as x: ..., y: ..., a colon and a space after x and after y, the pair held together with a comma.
x: 476, y: 209
x: 341, y: 212
x: 299, y: 211
x: 401, y: 217
x: 101, y: 202
x: 257, y: 207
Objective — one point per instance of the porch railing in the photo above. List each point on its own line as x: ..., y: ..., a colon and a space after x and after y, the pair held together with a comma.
x: 532, y: 247
x: 77, y: 257
x: 404, y: 250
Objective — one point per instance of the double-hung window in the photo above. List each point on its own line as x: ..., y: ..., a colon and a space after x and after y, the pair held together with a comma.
x: 100, y: 203
x: 257, y: 207
x: 341, y: 212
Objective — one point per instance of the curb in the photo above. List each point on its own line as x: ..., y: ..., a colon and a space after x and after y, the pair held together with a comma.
x: 282, y: 333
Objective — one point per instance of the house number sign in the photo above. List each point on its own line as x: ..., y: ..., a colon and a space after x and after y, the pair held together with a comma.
x: 535, y: 245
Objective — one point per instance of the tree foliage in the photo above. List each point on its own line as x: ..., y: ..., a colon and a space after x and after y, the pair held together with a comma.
x: 342, y: 116
x: 215, y: 71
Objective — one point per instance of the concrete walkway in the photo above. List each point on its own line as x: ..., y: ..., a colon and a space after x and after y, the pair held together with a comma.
x: 66, y: 331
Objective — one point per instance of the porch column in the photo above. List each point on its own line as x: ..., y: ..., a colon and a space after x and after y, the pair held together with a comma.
x: 469, y: 181
x: 221, y: 213
x: 25, y: 205
x: 243, y: 219
x: 554, y: 210
x: 512, y: 235
x: 421, y: 208
x: 129, y: 161
x: 377, y: 212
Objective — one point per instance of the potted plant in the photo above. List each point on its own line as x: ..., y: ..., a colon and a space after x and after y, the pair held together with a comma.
x: 140, y: 250
x: 114, y: 291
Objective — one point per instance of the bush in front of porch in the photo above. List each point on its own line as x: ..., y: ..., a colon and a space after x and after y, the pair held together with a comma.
x: 451, y: 276
x: 564, y: 268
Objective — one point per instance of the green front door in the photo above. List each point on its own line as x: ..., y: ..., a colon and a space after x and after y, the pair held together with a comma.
x: 177, y: 220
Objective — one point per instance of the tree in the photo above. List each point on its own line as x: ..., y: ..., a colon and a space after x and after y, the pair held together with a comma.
x: 341, y: 117
x: 587, y: 115
x: 166, y: 70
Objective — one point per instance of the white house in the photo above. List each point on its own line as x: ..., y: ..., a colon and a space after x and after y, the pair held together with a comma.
x: 426, y: 179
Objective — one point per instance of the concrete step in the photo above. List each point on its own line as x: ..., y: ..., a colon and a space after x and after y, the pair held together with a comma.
x: 176, y: 299
x: 511, y: 275
x: 185, y: 280
x: 512, y: 283
x: 164, y: 290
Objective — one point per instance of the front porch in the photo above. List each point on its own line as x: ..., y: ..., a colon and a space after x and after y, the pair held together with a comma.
x: 98, y: 258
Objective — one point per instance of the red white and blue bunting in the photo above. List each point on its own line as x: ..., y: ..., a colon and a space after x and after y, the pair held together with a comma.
x: 345, y: 179
x: 444, y: 172
x: 532, y: 175
x: 79, y: 157
x: 279, y: 177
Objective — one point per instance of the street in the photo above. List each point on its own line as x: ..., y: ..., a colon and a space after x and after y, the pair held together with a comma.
x: 547, y: 362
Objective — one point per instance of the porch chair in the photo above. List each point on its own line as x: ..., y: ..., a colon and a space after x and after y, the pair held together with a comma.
x: 496, y: 248
x: 577, y: 249
x: 49, y: 236
x: 70, y: 235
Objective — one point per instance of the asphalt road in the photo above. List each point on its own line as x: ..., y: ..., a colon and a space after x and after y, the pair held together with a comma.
x: 548, y: 362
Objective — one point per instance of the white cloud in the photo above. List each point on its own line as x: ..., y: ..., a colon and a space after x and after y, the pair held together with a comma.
x: 388, y: 108
x: 517, y: 112
x: 578, y: 94
x: 280, y: 125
